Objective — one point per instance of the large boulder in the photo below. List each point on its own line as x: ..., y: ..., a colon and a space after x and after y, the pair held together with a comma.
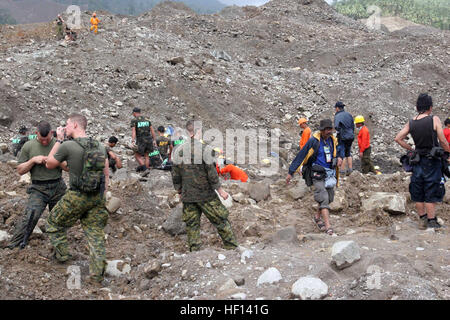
x: 390, y: 202
x: 259, y: 191
x: 340, y: 201
x: 298, y: 191
x: 174, y: 224
x: 345, y: 253
x: 309, y: 288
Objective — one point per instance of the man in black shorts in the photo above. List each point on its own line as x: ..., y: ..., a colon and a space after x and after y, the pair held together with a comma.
x: 143, y: 136
x: 427, y: 181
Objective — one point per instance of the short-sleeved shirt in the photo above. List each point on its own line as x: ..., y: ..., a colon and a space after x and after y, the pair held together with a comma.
x: 72, y: 152
x: 142, y: 125
x: 163, y: 145
x: 39, y: 172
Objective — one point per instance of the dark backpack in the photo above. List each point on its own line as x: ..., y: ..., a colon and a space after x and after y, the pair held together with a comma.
x: 18, y: 144
x: 92, y: 178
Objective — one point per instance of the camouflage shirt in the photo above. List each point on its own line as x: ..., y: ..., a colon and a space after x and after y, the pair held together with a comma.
x: 197, y: 182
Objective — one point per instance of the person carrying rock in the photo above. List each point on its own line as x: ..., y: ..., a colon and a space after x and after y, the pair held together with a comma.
x: 343, y: 123
x: 94, y: 22
x: 47, y: 187
x: 234, y: 172
x: 59, y: 27
x: 306, y: 134
x: 321, y: 163
x: 427, y: 181
x: 114, y: 160
x: 364, y: 146
x: 84, y: 201
x: 196, y: 180
x: 143, y: 136
x: 163, y: 143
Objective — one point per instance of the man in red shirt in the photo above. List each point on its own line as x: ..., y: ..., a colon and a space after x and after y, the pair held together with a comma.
x: 447, y: 129
x: 364, y: 146
x: 235, y: 172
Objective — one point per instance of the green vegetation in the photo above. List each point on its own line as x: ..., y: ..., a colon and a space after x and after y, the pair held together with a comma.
x: 434, y: 13
x: 5, y: 18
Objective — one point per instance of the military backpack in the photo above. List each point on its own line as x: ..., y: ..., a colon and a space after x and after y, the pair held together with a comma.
x: 92, y: 178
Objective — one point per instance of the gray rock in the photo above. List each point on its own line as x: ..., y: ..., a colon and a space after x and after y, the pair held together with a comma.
x: 270, y: 276
x: 345, y: 253
x: 298, y: 191
x: 152, y: 269
x: 390, y: 202
x: 309, y: 288
x: 174, y: 224
x: 288, y: 234
x: 239, y: 280
x: 259, y: 190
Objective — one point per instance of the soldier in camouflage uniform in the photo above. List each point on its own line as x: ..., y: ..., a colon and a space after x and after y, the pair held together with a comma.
x: 46, y: 187
x: 143, y: 136
x: 76, y: 205
x: 197, y: 182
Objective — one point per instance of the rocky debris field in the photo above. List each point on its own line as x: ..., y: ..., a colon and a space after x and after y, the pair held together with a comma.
x: 378, y: 252
x: 244, y: 68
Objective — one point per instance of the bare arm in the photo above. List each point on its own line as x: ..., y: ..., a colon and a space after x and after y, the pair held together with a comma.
x: 64, y: 166
x: 27, y: 166
x: 401, y: 136
x: 133, y: 134
x: 117, y: 158
x: 106, y: 173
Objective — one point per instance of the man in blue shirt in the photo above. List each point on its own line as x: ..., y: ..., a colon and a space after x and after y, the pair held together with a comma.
x: 320, y: 162
x: 345, y: 127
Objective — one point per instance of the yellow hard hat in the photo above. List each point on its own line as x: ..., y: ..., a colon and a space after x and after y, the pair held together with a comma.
x: 302, y: 120
x: 359, y: 119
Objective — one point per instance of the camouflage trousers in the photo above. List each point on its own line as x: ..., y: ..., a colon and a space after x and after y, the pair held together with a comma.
x: 90, y: 210
x: 216, y: 213
x: 41, y: 195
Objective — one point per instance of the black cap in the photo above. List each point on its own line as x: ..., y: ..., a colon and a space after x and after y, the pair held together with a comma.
x: 325, y: 123
x: 23, y: 129
x: 339, y: 105
x: 136, y: 109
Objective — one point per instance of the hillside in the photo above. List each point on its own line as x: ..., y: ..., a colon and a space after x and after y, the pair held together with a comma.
x: 257, y: 68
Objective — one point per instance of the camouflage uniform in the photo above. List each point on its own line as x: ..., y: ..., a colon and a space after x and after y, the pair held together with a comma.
x: 90, y: 210
x: 197, y: 184
x: 41, y: 195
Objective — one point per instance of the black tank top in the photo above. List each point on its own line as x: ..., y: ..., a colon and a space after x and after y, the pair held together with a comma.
x: 423, y: 134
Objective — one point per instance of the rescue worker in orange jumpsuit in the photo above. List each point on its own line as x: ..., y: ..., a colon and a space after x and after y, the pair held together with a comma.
x: 364, y: 146
x: 235, y: 172
x: 306, y: 132
x: 94, y: 22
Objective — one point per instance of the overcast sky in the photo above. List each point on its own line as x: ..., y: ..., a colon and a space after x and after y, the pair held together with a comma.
x: 249, y: 2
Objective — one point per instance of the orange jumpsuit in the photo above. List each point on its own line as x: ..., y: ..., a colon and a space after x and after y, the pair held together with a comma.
x: 305, y: 137
x: 235, y: 173
x: 94, y: 22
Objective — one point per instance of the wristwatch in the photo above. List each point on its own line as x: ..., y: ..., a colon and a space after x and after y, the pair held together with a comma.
x: 60, y: 141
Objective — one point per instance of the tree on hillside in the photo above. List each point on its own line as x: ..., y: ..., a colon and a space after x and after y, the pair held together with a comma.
x: 429, y: 12
x: 5, y: 17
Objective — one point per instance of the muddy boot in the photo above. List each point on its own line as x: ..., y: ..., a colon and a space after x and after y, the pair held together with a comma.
x: 432, y: 223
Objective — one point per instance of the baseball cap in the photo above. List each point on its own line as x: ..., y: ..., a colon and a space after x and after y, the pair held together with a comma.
x: 136, y: 109
x: 325, y: 123
x: 339, y: 105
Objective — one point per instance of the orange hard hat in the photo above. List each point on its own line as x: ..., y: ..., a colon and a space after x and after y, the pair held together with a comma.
x: 302, y: 120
